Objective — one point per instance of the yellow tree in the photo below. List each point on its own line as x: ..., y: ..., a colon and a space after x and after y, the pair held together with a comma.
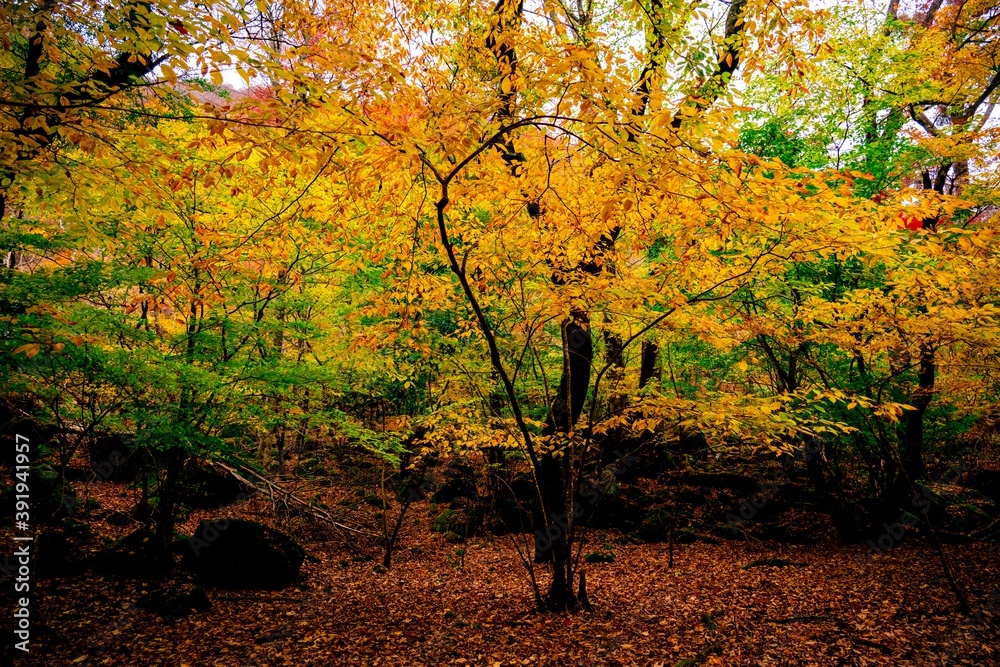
x: 546, y: 161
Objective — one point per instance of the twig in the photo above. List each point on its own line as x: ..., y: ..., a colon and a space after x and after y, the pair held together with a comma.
x: 289, y: 498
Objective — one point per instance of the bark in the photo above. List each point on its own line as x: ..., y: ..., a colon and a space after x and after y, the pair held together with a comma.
x: 648, y: 369
x: 558, y: 467
x: 913, y: 442
x: 166, y: 509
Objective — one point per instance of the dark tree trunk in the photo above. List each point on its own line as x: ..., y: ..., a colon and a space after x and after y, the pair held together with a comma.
x: 830, y: 493
x: 166, y: 509
x: 648, y: 369
x: 614, y: 354
x: 578, y: 354
x: 913, y: 442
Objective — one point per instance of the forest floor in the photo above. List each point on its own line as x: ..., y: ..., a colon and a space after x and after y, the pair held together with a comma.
x: 471, y: 604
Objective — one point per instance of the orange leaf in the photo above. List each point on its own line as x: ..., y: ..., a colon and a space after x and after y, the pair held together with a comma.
x: 29, y: 349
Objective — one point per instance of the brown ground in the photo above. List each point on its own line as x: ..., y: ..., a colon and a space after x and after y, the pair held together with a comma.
x: 444, y: 604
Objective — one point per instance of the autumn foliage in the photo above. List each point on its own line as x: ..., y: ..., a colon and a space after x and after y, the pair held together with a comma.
x: 533, y: 236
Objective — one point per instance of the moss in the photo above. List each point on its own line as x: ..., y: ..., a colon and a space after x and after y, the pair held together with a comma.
x: 600, y: 557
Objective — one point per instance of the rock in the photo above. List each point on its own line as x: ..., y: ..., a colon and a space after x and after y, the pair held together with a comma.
x: 460, y: 483
x: 784, y: 534
x: 240, y: 554
x: 600, y: 557
x: 523, y: 488
x: 462, y: 521
x: 115, y: 457
x: 986, y: 482
x: 376, y: 501
x: 143, y: 512
x: 116, y: 518
x: 655, y: 525
x: 613, y: 510
x: 686, y: 536
x: 55, y: 555
x: 730, y: 531
x: 508, y: 516
x: 138, y: 555
x: 204, y: 487
x: 692, y: 497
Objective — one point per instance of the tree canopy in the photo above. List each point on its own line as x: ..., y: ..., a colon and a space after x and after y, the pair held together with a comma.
x: 540, y: 232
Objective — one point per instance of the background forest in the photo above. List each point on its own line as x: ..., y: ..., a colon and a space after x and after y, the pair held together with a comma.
x: 355, y: 287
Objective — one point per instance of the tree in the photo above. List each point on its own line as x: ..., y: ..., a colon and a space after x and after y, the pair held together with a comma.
x: 418, y: 191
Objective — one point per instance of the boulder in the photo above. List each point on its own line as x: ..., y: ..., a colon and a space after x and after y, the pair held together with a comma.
x: 463, y: 521
x: 55, y: 555
x: 115, y: 457
x: 205, y: 487
x: 240, y: 554
x: 139, y: 555
x: 460, y: 483
x: 986, y: 482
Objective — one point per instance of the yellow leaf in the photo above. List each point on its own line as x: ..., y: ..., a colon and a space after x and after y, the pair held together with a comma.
x: 169, y: 74
x: 29, y: 349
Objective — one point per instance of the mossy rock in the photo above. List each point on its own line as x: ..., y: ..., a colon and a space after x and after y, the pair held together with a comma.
x: 455, y: 489
x: 376, y: 501
x: 986, y: 482
x: 600, y: 557
x: 655, y: 525
x: 462, y: 521
x: 509, y: 516
x: 78, y: 529
x: 685, y: 536
x: 116, y: 518
x: 115, y: 457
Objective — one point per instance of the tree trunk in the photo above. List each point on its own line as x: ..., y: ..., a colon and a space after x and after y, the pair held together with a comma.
x: 648, y: 369
x: 556, y: 470
x: 913, y: 439
x: 166, y: 509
